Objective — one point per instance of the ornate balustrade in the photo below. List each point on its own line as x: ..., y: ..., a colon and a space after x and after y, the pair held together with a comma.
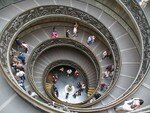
x: 144, y: 31
x: 141, y: 23
x: 145, y: 109
x: 56, y: 43
x: 23, y: 20
x: 68, y: 24
x: 114, y: 9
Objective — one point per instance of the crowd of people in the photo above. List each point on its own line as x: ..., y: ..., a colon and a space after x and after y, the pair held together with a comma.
x: 69, y: 72
x: 22, y: 48
x: 18, y: 62
x: 109, y: 71
x: 80, y: 88
x: 90, y: 39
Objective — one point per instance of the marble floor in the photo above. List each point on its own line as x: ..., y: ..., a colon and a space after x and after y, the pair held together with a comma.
x: 64, y: 80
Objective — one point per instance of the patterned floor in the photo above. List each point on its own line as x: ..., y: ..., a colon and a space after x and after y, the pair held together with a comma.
x: 63, y: 80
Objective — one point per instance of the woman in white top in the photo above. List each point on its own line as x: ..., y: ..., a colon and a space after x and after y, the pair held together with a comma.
x: 75, y: 30
x: 69, y: 71
x: 130, y: 105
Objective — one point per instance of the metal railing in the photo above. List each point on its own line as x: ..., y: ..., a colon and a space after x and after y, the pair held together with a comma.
x: 60, y: 42
x: 38, y: 26
x: 144, y: 32
x: 21, y: 21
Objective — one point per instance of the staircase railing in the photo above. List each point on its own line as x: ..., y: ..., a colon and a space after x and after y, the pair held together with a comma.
x: 140, y: 21
x: 144, y: 32
x: 60, y: 42
x: 145, y: 109
x: 21, y: 21
x: 136, y: 13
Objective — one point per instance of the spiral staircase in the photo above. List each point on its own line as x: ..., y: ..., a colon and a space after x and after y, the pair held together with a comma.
x: 120, y: 26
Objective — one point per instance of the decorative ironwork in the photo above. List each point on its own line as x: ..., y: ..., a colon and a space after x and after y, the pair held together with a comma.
x: 16, y: 24
x: 29, y: 15
x: 143, y: 25
x: 59, y: 42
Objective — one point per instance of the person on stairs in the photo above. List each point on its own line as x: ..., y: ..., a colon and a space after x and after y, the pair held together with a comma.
x: 75, y: 29
x: 23, y: 45
x: 90, y: 40
x: 130, y: 105
x: 106, y: 54
x: 54, y: 34
x: 22, y: 57
x: 68, y: 34
x: 32, y: 94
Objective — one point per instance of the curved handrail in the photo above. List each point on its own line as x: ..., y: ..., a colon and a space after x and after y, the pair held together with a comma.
x: 141, y: 23
x: 26, y: 17
x: 113, y: 81
x: 145, y: 109
x: 138, y: 17
x: 21, y: 92
x: 143, y: 27
x: 50, y: 43
x: 116, y: 13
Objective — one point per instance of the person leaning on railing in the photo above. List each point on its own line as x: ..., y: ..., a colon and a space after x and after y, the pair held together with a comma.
x: 130, y: 105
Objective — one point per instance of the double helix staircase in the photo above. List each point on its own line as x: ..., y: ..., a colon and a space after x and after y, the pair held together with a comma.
x: 129, y: 46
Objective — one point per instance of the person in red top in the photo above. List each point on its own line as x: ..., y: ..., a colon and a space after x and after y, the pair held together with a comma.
x: 76, y: 74
x: 54, y: 34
